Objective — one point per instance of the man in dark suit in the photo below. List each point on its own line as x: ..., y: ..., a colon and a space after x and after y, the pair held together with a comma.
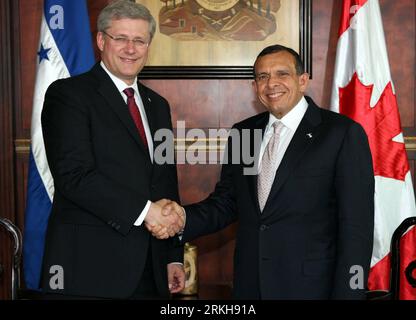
x: 305, y: 221
x: 98, y: 130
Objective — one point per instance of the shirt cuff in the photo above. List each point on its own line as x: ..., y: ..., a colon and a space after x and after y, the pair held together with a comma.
x: 142, y: 216
x: 180, y: 233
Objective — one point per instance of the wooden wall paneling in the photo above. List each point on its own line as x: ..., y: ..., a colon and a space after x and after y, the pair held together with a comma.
x: 399, y: 20
x: 325, y: 24
x: 197, y: 102
x: 94, y: 7
x: 215, y: 251
x: 7, y: 191
x: 21, y: 168
x: 28, y: 28
x: 240, y: 102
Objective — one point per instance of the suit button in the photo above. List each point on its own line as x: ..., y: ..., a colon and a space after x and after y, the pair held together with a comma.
x: 117, y: 228
x: 263, y: 227
x: 110, y: 222
x: 114, y: 224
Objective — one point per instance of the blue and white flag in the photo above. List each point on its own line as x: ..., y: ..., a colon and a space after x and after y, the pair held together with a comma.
x: 65, y: 49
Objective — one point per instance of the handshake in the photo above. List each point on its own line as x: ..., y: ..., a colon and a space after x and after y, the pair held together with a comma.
x: 165, y: 218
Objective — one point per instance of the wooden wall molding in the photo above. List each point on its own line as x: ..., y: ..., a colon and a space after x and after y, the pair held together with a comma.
x: 410, y: 143
x: 22, y: 146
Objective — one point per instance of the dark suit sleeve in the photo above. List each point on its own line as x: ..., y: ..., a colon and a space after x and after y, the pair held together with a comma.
x: 354, y: 188
x: 218, y: 210
x: 68, y: 142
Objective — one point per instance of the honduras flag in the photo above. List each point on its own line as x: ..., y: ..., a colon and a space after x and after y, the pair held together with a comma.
x: 65, y: 50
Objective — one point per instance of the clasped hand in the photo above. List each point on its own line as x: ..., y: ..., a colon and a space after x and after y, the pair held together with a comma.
x: 165, y: 218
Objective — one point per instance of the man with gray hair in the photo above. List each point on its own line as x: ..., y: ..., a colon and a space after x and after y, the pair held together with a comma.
x: 98, y: 130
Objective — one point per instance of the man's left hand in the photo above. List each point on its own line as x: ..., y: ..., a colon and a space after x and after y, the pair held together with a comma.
x: 176, y: 277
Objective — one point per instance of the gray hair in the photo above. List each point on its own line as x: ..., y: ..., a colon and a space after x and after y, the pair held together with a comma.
x: 121, y: 9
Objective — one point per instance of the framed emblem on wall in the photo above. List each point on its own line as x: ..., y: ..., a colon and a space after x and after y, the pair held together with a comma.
x: 219, y: 39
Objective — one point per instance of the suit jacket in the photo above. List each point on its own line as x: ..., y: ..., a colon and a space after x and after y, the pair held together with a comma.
x: 317, y: 223
x: 103, y: 178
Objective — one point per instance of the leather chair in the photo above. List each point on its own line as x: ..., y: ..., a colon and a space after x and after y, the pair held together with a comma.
x: 7, y: 225
x: 393, y: 293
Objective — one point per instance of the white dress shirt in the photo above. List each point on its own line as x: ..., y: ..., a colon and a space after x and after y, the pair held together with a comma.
x: 291, y: 122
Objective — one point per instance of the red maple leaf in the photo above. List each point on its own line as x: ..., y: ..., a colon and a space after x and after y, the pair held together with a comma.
x: 381, y: 123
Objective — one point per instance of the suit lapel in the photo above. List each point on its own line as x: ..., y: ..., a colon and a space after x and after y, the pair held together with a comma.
x: 304, y: 136
x: 114, y: 100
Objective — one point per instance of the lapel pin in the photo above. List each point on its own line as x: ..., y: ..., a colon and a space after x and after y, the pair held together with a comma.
x: 309, y: 135
x: 150, y: 100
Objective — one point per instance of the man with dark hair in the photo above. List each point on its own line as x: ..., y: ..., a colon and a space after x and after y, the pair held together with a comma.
x: 98, y: 130
x: 305, y: 221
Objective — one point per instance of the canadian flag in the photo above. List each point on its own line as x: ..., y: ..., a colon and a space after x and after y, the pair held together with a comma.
x: 364, y: 91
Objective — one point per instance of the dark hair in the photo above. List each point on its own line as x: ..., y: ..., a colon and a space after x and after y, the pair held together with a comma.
x: 277, y: 48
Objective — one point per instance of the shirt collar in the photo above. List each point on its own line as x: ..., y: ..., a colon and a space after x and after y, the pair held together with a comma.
x: 292, y: 119
x: 120, y: 84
